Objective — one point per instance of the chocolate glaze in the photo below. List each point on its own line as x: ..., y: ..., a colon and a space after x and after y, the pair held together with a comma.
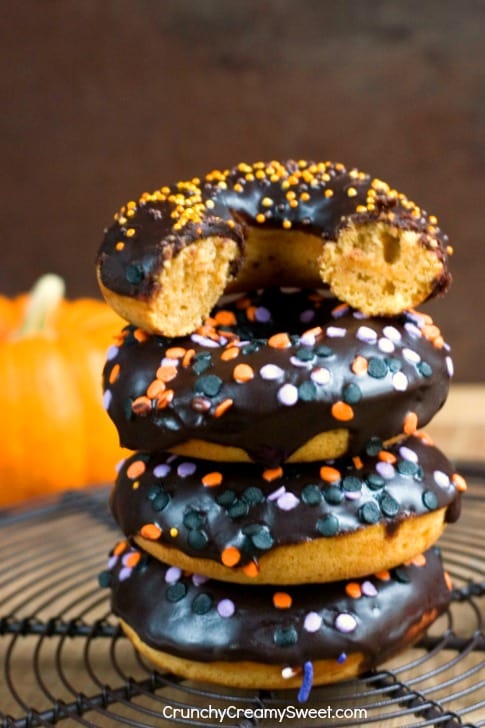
x: 178, y: 614
x: 328, y: 196
x: 270, y: 416
x: 256, y: 510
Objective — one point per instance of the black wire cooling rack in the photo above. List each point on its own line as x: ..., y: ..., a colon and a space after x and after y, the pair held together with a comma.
x: 65, y: 662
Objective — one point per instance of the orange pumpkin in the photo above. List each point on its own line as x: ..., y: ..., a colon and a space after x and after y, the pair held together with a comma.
x: 54, y: 432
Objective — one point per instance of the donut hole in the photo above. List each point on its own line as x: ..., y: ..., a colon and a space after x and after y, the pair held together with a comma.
x: 379, y: 268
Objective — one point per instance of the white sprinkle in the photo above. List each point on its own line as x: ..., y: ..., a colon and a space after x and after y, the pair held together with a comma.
x: 204, y: 341
x: 449, y: 366
x: 407, y: 454
x: 441, y: 479
x: 390, y: 332
x: 270, y: 372
x: 368, y: 589
x: 198, y: 579
x: 287, y: 501
x: 169, y: 362
x: 276, y: 493
x: 385, y: 345
x: 385, y: 470
x: 313, y: 622
x: 320, y: 375
x: 360, y: 315
x: 160, y: 471
x: 400, y: 381
x: 299, y: 362
x: 307, y: 316
x: 107, y: 396
x: 365, y: 333
x: 262, y: 314
x: 288, y: 672
x: 288, y: 395
x: 411, y: 356
x: 345, y: 622
x: 335, y: 332
x: 173, y: 574
x: 413, y: 330
x: 308, y: 339
x: 112, y: 352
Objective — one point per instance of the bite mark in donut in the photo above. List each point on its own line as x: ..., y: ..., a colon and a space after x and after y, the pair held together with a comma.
x: 170, y: 256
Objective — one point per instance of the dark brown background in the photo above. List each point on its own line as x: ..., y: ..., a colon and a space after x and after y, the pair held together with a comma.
x: 103, y: 99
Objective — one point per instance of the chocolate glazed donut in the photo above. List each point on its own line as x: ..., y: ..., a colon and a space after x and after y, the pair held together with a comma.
x: 277, y: 376
x: 169, y: 256
x: 268, y: 637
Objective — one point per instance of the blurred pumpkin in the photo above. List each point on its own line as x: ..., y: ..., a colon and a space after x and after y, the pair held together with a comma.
x: 54, y: 431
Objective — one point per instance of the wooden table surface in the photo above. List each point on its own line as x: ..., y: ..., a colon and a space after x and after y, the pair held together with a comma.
x: 459, y: 428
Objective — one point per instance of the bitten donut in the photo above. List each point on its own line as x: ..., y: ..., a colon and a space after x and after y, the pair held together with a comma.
x: 314, y: 522
x: 280, y: 375
x: 272, y: 637
x: 169, y: 256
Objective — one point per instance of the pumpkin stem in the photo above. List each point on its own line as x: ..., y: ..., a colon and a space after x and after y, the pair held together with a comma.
x: 44, y: 298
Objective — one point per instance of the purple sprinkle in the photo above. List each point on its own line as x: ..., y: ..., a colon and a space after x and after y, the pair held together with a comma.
x: 441, y: 479
x: 390, y: 332
x: 411, y: 356
x: 112, y: 561
x: 307, y: 682
x: 287, y: 502
x: 412, y: 330
x: 160, y: 471
x: 169, y: 362
x: 262, y: 314
x: 400, y: 382
x: 368, y: 589
x: 124, y: 573
x: 385, y: 345
x: 342, y: 658
x: 198, y: 579
x: 365, y: 333
x: 353, y: 495
x: 320, y: 375
x: 288, y: 395
x: 270, y: 372
x: 307, y: 316
x: 107, y: 399
x: 276, y: 493
x: 204, y: 341
x: 226, y: 608
x: 449, y: 366
x: 335, y: 332
x: 120, y: 464
x: 185, y: 469
x: 407, y: 454
x: 386, y: 470
x: 360, y: 315
x: 345, y: 622
x: 112, y: 352
x: 313, y: 622
x: 339, y: 311
x: 173, y: 574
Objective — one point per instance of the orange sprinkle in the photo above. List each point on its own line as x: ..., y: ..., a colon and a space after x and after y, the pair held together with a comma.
x: 243, y: 303
x: 155, y: 388
x: 342, y: 411
x: 282, y: 600
x: 430, y: 332
x: 439, y: 342
x: 140, y: 335
x: 120, y: 245
x: 243, y: 373
x: 410, y: 424
x: 316, y: 331
x: 230, y: 556
x: 448, y: 581
x: 251, y: 569
x: 223, y: 406
x: 135, y: 469
x: 164, y: 398
x: 141, y: 406
x: 329, y: 474
x: 272, y: 474
x: 341, y: 308
x: 358, y: 462
x: 383, y: 575
x: 251, y: 313
x: 166, y: 373
x: 114, y: 374
x: 419, y: 560
x: 225, y: 318
x: 459, y: 482
x: 212, y: 479
x: 231, y: 353
x: 188, y: 356
x: 120, y: 547
x: 387, y: 457
x: 352, y: 589
x: 175, y: 352
x: 151, y: 531
x: 132, y: 559
x: 359, y: 365
x: 279, y: 341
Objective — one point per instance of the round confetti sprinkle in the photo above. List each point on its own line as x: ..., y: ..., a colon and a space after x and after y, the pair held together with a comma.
x: 377, y: 368
x: 389, y: 505
x: 400, y: 381
x: 333, y: 495
x: 202, y: 604
x: 392, y: 333
x: 230, y: 556
x: 288, y: 395
x: 369, y: 512
x: 261, y: 537
x: 386, y: 470
x: 312, y: 622
x: 320, y: 376
x: 351, y: 393
x: 366, y: 334
x: 335, y: 332
x: 282, y: 600
x: 262, y: 314
x: 351, y: 483
x: 173, y: 574
x: 368, y: 589
x: 161, y: 470
x: 345, y: 622
x: 271, y: 372
x: 197, y: 540
x: 441, y: 479
x: 385, y: 345
x: 161, y: 501
x: 407, y: 468
x: 186, y: 469
x: 342, y: 411
x: 285, y: 636
x: 430, y: 500
x: 328, y: 525
x: 311, y: 495
x: 176, y: 591
x: 253, y: 495
x: 307, y: 392
x: 226, y: 608
x: 287, y: 501
x: 107, y: 397
x: 151, y: 531
x: 410, y: 355
x: 408, y: 454
x: 209, y: 385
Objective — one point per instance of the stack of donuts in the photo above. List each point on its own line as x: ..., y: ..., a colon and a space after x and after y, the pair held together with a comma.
x: 282, y: 505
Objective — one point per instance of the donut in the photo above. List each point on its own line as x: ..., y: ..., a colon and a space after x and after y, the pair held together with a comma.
x: 314, y: 522
x: 277, y: 375
x: 168, y: 257
x: 267, y: 637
